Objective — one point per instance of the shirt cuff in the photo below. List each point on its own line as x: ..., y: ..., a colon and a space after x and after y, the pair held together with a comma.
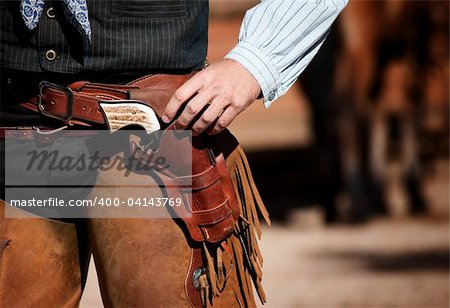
x: 260, y: 66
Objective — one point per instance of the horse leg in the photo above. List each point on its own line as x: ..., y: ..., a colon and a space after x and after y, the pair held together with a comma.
x: 354, y: 78
x: 377, y: 159
x: 411, y: 173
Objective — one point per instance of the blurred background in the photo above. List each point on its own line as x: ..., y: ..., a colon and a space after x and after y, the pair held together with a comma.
x: 353, y: 163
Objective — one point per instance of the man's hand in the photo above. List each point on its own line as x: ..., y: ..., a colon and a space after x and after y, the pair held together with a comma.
x: 226, y: 87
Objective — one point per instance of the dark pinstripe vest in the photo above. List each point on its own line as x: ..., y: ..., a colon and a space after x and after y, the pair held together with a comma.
x: 169, y: 35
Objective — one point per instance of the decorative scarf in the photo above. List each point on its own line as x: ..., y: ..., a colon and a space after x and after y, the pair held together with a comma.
x: 76, y: 12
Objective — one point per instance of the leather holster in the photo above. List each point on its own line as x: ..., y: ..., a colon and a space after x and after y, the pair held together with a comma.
x: 210, y: 206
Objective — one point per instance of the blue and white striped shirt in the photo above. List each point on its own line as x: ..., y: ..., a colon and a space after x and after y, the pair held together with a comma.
x: 279, y: 38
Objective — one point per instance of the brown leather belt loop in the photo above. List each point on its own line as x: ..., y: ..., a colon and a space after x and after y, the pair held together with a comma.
x: 68, y: 100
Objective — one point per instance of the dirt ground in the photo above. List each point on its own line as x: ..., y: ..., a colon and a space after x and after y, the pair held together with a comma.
x: 397, y: 262
x: 382, y: 264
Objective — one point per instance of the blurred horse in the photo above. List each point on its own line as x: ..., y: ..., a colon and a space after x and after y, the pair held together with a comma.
x: 385, y: 64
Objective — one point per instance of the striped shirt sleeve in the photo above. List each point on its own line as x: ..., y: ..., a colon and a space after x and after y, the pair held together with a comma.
x: 278, y: 39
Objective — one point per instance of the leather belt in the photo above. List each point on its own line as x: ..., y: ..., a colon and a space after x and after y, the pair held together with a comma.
x: 19, y: 133
x: 79, y: 103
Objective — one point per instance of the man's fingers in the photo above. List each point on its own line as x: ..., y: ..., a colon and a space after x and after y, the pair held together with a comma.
x: 181, y: 95
x: 224, y: 120
x: 227, y: 82
x: 209, y: 116
x: 193, y: 108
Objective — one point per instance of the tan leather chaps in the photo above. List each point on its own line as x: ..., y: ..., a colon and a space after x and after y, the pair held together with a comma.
x: 139, y: 262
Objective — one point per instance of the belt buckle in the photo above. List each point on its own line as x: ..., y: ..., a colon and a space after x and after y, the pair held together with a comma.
x: 69, y: 98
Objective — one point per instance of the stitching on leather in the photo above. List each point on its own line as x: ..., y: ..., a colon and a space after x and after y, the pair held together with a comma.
x: 215, y: 209
x: 142, y: 79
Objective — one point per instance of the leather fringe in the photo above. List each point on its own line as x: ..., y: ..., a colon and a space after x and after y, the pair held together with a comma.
x: 240, y: 252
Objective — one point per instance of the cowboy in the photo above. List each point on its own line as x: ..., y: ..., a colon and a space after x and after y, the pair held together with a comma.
x: 44, y: 262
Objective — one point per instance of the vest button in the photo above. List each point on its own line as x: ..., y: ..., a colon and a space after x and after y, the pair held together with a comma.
x: 50, y: 13
x: 50, y: 55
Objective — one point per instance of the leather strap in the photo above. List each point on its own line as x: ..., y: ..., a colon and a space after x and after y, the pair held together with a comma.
x: 22, y: 133
x: 40, y: 133
x: 196, y: 264
x: 78, y: 103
